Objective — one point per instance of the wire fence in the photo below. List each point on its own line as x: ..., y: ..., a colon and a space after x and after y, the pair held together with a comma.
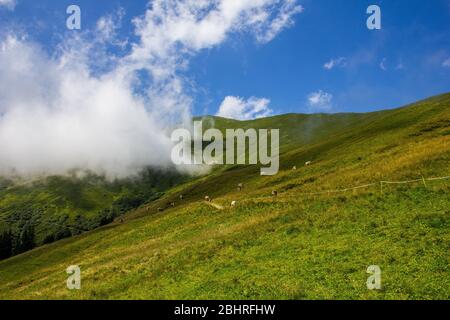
x: 381, y: 184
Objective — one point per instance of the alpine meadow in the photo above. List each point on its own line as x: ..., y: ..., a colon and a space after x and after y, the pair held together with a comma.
x: 311, y: 241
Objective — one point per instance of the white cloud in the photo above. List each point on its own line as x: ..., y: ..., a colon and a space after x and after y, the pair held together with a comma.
x: 240, y: 109
x: 383, y: 64
x: 446, y: 63
x: 10, y: 4
x: 196, y: 24
x: 282, y: 21
x: 338, y: 62
x: 86, y: 108
x: 320, y: 101
x: 56, y: 117
x: 107, y: 26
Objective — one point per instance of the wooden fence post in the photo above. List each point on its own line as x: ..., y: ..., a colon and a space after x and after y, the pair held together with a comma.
x: 424, y: 182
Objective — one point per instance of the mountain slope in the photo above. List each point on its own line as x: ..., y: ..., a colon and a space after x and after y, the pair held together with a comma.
x: 58, y: 207
x: 293, y: 246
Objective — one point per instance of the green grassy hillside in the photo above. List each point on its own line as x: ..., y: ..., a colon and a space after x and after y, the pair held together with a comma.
x: 306, y: 243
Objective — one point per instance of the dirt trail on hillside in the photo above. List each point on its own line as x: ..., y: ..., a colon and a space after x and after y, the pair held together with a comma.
x: 215, y: 205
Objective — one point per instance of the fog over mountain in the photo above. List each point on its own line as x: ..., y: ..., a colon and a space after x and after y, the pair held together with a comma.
x: 82, y: 107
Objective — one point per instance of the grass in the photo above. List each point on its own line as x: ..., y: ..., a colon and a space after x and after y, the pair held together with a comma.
x: 294, y: 246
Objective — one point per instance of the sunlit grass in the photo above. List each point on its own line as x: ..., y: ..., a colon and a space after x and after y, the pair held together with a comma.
x: 294, y: 246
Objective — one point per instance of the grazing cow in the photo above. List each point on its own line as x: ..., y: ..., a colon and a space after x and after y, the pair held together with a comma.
x: 160, y: 209
x: 308, y: 163
x: 172, y: 204
x: 240, y: 186
x: 181, y: 197
x: 274, y: 193
x: 233, y: 203
x: 294, y: 168
x: 207, y: 199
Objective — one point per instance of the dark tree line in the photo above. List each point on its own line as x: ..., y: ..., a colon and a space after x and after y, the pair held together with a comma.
x: 15, y: 243
x: 131, y: 194
x: 6, y: 245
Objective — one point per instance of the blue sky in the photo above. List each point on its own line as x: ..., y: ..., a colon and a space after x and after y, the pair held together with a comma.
x: 403, y: 62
